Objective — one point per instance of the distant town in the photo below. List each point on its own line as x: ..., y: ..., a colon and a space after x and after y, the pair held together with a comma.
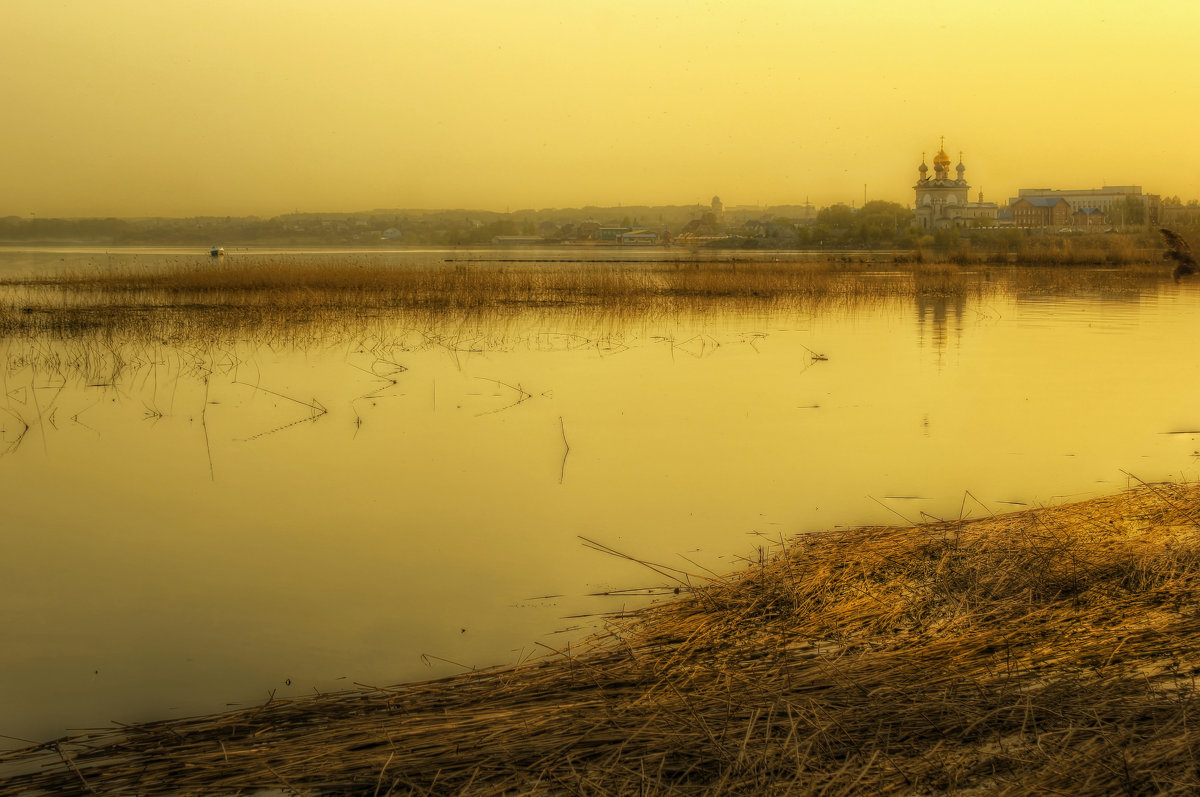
x: 942, y: 210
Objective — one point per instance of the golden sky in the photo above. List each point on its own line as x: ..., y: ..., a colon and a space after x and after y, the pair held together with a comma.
x: 186, y: 107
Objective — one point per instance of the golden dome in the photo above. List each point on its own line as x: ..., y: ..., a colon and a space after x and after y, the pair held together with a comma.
x: 942, y: 159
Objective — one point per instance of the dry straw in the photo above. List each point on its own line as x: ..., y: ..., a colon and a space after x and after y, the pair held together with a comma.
x: 285, y: 301
x: 1050, y: 651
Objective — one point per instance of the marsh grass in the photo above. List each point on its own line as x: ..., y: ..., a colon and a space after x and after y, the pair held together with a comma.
x: 242, y: 297
x: 1052, y: 650
x: 108, y: 322
x: 1110, y: 250
x: 474, y: 285
x: 106, y: 319
x: 462, y: 307
x: 1051, y: 250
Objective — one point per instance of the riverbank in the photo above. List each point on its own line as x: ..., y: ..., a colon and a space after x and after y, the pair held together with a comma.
x: 1052, y: 649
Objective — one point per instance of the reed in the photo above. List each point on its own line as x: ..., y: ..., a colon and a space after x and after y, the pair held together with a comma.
x: 1015, y: 246
x: 1115, y: 250
x: 1052, y: 650
x: 272, y: 293
x: 96, y: 322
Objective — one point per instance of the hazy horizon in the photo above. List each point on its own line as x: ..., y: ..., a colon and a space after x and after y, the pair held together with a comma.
x: 129, y: 109
x: 352, y: 211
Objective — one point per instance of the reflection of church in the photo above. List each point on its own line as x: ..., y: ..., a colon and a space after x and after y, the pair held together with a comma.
x: 934, y: 314
x: 942, y: 199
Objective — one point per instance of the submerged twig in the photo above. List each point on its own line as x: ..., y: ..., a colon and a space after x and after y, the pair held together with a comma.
x: 562, y: 471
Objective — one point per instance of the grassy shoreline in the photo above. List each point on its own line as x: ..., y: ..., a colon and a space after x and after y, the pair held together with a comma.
x: 1047, y: 650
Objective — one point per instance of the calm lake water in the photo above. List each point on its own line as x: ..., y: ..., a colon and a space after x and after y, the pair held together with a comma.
x: 199, y: 528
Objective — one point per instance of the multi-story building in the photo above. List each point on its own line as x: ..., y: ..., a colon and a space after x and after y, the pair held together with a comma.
x: 1114, y: 201
x: 1040, y: 211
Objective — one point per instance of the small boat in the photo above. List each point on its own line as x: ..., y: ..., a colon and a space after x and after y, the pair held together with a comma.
x: 217, y: 251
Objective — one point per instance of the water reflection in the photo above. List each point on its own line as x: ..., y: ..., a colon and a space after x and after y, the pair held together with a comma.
x: 194, y: 519
x: 934, y: 316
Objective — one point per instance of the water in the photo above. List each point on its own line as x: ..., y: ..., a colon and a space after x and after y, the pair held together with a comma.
x: 203, y: 527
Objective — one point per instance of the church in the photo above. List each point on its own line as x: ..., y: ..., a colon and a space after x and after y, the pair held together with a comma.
x: 942, y: 200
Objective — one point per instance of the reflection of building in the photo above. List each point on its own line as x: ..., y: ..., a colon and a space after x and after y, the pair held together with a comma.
x: 934, y: 315
x: 1114, y: 201
x: 942, y: 200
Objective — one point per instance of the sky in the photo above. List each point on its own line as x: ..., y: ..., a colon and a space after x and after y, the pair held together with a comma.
x: 263, y: 107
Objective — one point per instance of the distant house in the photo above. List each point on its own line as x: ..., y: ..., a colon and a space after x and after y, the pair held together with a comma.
x: 1087, y: 218
x: 755, y: 228
x: 516, y: 240
x: 611, y: 233
x: 697, y: 239
x: 390, y: 234
x: 1041, y: 211
x: 642, y: 237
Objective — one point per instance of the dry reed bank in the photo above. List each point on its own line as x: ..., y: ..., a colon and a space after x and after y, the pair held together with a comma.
x: 263, y: 295
x: 1074, y: 249
x: 1052, y: 650
x: 107, y: 320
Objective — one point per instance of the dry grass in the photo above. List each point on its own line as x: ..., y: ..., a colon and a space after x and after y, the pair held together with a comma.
x: 99, y: 322
x: 1045, y: 651
x: 478, y: 284
x: 1002, y: 247
x: 1083, y: 250
x: 283, y: 297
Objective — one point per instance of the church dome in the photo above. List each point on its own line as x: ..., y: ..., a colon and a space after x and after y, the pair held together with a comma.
x: 942, y: 159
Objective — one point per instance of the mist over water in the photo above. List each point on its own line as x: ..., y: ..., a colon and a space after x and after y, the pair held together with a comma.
x: 196, y: 523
